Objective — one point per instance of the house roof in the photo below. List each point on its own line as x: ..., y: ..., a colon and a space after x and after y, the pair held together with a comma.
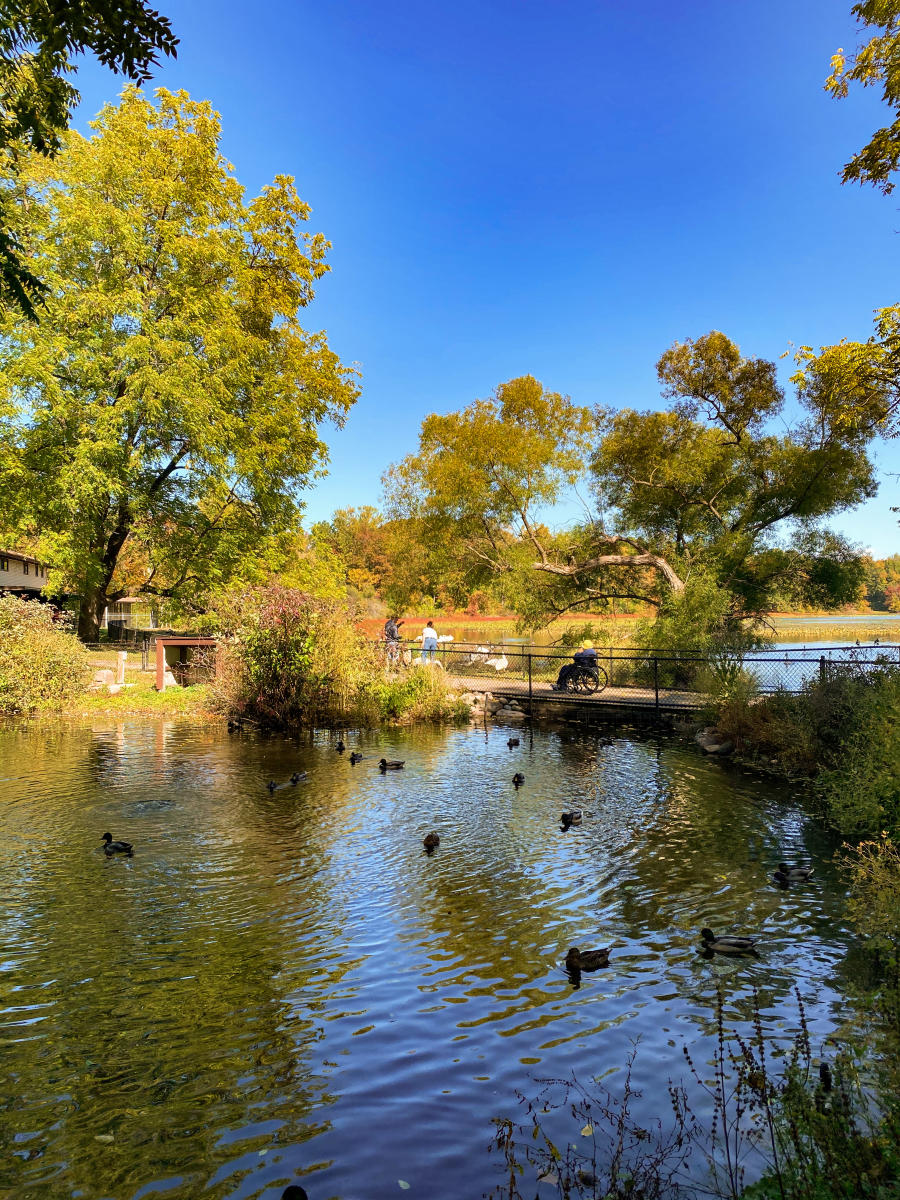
x: 22, y: 557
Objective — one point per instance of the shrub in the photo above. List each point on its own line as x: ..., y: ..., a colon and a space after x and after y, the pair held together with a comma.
x: 41, y: 666
x: 294, y: 660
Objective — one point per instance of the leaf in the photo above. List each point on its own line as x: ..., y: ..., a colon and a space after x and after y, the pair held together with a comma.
x: 104, y: 1137
x: 403, y: 1184
x: 588, y: 1130
x: 550, y: 1177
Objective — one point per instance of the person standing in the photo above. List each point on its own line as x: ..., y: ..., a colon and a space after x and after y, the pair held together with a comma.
x: 429, y: 643
x: 392, y: 638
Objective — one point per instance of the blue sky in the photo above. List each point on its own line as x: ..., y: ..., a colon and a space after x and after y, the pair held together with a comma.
x: 560, y: 187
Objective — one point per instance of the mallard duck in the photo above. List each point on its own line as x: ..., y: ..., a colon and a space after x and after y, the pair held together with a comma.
x: 271, y: 785
x: 518, y: 779
x: 571, y: 818
x: 340, y: 747
x: 727, y: 944
x: 391, y: 764
x: 512, y: 743
x: 587, y: 960
x: 111, y: 847
x: 297, y: 776
x: 355, y: 758
x: 294, y: 1192
x: 431, y: 841
x: 786, y: 874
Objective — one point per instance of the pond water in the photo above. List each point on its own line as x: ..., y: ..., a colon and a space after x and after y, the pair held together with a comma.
x: 284, y: 986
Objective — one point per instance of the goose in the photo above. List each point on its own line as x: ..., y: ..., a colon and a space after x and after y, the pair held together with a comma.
x: 518, y: 779
x: 512, y: 742
x: 728, y: 943
x: 390, y: 764
x: 786, y: 874
x: 297, y: 776
x: 587, y: 960
x: 431, y: 842
x: 499, y: 664
x: 111, y: 847
x: 355, y: 758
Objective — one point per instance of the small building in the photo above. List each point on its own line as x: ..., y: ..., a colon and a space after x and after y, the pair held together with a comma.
x: 130, y: 612
x: 21, y: 574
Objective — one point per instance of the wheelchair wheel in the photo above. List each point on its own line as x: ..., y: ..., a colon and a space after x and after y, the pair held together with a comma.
x: 585, y: 682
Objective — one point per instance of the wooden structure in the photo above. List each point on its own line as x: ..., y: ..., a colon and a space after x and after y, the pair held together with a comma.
x: 182, y: 646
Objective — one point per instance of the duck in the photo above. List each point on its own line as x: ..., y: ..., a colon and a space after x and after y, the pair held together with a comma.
x: 587, y: 960
x: 340, y: 747
x: 518, y: 779
x: 786, y: 874
x: 111, y: 847
x: 297, y: 776
x: 355, y: 758
x: 390, y: 764
x: 571, y: 818
x: 512, y: 743
x: 271, y: 785
x: 431, y: 842
x: 294, y: 1192
x: 728, y: 943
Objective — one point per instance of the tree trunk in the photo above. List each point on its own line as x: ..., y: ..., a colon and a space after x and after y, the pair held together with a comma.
x: 90, y: 615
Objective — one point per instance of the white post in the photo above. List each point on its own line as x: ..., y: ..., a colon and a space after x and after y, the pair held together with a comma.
x: 121, y: 659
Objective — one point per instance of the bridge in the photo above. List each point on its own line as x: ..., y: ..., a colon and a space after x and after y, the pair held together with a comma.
x: 647, y: 682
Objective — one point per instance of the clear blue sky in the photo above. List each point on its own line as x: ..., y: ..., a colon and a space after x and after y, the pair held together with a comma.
x: 560, y: 187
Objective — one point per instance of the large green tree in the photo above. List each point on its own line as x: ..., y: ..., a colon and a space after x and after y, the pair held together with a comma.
x: 38, y: 40
x: 705, y: 491
x: 167, y: 406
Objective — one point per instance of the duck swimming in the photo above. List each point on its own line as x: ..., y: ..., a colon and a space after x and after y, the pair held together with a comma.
x: 431, y: 842
x: 294, y: 1193
x: 518, y: 779
x: 271, y: 785
x: 340, y: 747
x: 112, y: 847
x: 391, y: 764
x: 297, y: 776
x: 587, y: 960
x: 512, y: 742
x: 786, y: 874
x: 355, y: 758
x: 728, y: 944
x: 571, y: 818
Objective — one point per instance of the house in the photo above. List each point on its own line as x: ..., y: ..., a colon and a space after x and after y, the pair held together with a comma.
x: 21, y: 574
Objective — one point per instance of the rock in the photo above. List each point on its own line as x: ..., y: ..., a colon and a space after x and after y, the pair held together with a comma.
x: 712, y: 742
x: 102, y: 677
x: 114, y: 688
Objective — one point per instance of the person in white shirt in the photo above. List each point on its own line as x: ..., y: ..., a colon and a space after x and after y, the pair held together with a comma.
x: 429, y: 642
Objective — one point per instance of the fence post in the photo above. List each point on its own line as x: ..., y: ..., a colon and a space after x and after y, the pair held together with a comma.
x: 656, y: 680
x: 823, y: 670
x: 530, y: 706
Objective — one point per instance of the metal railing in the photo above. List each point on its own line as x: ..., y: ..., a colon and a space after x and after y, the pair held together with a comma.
x: 648, y: 678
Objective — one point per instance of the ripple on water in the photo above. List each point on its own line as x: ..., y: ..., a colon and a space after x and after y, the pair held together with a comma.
x: 281, y: 981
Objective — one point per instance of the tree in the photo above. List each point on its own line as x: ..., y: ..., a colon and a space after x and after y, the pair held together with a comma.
x: 169, y: 399
x: 700, y: 496
x: 38, y: 39
x: 876, y: 62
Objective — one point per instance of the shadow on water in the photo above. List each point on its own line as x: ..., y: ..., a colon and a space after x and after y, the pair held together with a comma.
x: 283, y: 982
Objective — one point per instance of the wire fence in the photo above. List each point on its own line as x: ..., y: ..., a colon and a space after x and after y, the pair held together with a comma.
x: 644, y: 678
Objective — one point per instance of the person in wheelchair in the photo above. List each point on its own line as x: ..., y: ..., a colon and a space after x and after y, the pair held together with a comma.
x: 584, y: 659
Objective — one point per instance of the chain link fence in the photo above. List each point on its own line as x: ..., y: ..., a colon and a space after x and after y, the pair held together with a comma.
x: 644, y: 678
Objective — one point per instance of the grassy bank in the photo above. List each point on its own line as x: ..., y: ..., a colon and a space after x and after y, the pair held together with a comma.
x: 143, y: 700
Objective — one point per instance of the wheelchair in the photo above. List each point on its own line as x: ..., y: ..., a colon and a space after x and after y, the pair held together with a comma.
x: 584, y: 681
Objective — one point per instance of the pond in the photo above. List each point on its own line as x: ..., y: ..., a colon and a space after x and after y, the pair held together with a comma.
x: 284, y: 987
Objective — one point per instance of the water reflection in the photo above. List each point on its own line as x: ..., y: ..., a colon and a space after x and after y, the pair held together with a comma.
x: 285, y: 982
